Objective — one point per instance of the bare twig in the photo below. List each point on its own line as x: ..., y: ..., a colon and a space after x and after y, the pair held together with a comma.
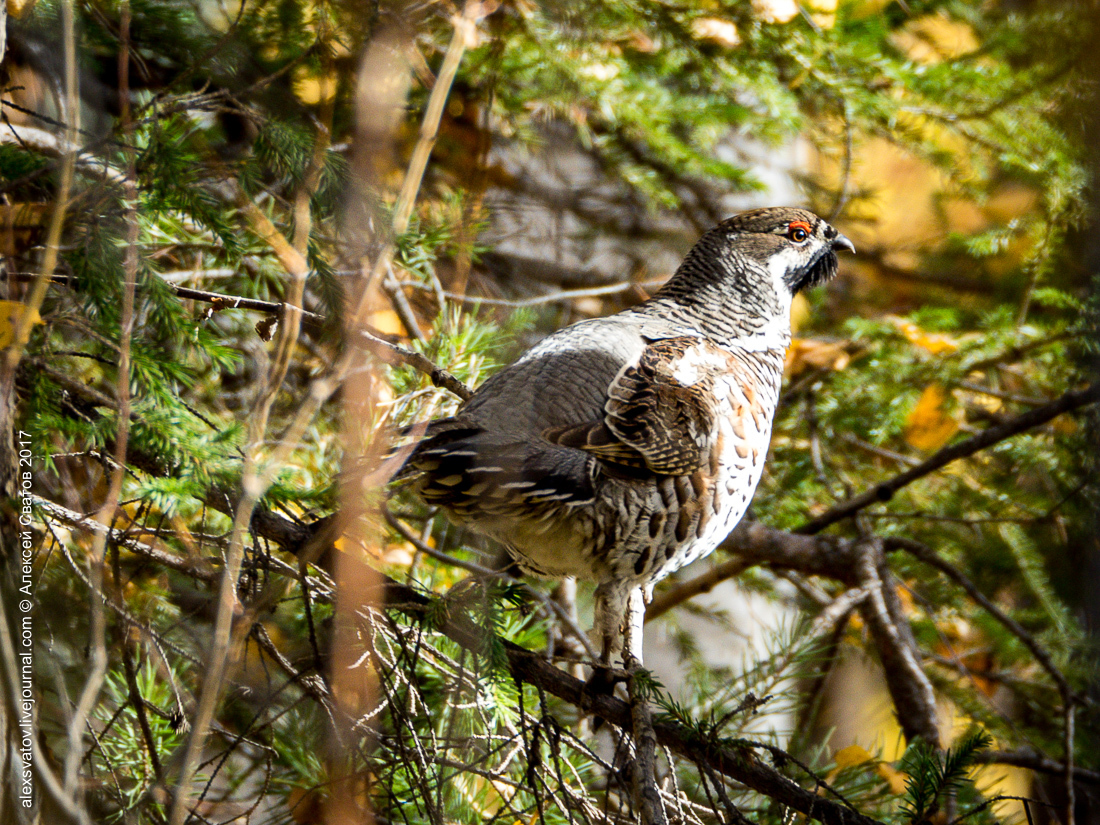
x: 397, y: 354
x: 1037, y: 762
x: 735, y: 763
x: 1068, y: 738
x: 556, y: 297
x: 40, y: 140
x: 465, y: 32
x: 257, y: 474
x: 703, y: 583
x: 195, y: 567
x: 97, y: 646
x: 401, y: 306
x: 1014, y: 426
x: 551, y: 605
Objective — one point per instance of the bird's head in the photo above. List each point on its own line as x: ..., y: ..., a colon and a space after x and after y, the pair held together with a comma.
x: 759, y: 259
x: 797, y: 248
x: 740, y: 277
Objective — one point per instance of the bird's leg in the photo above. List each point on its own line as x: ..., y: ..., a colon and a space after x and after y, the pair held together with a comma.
x: 632, y: 628
x: 611, y: 599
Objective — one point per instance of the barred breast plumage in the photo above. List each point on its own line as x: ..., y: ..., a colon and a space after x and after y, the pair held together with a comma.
x: 622, y: 448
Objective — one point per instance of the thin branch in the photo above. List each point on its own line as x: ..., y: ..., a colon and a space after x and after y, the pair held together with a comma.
x: 703, y: 583
x: 1037, y: 762
x: 97, y: 645
x: 464, y: 36
x: 257, y: 474
x: 551, y: 605
x: 736, y: 763
x: 401, y: 305
x: 197, y: 568
x: 397, y: 354
x: 40, y: 140
x: 1068, y: 737
x: 1014, y: 426
x: 558, y: 296
x: 932, y: 559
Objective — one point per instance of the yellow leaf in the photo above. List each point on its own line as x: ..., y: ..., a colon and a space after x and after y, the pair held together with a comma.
x: 775, y: 11
x: 17, y: 8
x: 716, y: 30
x: 10, y: 313
x: 851, y: 756
x: 929, y: 426
x: 932, y: 342
x: 935, y: 38
x: 387, y: 321
x: 1064, y: 424
x: 806, y: 353
x: 894, y: 778
x: 312, y: 89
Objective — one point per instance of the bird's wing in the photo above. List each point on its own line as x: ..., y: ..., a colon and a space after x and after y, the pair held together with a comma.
x: 662, y: 412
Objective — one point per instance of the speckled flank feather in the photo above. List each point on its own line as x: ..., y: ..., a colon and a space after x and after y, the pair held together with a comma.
x: 622, y: 448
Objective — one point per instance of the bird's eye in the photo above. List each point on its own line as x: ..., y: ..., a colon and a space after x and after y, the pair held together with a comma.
x: 798, y: 231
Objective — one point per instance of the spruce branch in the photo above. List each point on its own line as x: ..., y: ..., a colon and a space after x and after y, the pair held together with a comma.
x: 932, y: 559
x: 734, y: 762
x: 885, y: 490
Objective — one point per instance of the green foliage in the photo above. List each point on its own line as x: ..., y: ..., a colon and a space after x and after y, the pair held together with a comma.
x: 934, y: 774
x: 661, y: 104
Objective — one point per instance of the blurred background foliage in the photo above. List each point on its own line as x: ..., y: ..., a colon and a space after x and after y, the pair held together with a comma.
x: 582, y: 147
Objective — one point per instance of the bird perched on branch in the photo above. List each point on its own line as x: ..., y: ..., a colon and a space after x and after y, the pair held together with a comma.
x: 622, y: 448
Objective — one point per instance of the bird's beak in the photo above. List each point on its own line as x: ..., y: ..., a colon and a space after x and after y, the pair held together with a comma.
x: 841, y: 242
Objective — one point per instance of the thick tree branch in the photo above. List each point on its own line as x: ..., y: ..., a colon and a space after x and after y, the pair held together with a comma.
x: 912, y: 693
x: 1014, y: 426
x: 753, y: 543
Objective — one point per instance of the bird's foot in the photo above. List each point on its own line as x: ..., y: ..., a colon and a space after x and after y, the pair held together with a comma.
x: 603, y: 680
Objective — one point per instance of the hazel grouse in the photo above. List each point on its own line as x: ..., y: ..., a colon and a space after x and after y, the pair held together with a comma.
x: 622, y: 448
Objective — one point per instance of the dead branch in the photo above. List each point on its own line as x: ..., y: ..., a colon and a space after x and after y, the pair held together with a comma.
x: 556, y: 297
x: 40, y: 140
x: 1036, y: 762
x: 703, y: 583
